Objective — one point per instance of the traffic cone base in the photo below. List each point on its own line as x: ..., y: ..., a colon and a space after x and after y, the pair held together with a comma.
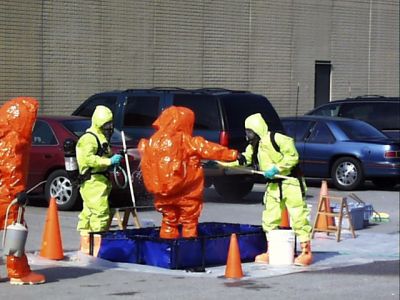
x: 52, y: 244
x: 233, y: 264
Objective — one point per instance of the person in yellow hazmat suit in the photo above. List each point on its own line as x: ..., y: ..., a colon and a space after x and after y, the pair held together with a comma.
x: 17, y: 118
x: 275, y: 153
x: 94, y: 157
x: 173, y: 173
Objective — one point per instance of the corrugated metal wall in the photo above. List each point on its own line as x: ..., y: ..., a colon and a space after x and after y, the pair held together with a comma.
x: 63, y: 51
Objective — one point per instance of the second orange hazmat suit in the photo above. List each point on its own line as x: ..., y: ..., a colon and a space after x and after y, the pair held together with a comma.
x: 172, y: 170
x: 17, y: 118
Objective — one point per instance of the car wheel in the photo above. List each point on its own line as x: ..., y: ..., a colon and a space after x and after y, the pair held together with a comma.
x: 59, y: 186
x: 347, y: 173
x: 385, y: 183
x: 233, y: 187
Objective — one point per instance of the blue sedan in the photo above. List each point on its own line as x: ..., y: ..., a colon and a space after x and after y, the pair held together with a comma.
x: 348, y: 151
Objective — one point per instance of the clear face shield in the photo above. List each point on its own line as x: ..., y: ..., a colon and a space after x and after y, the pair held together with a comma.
x: 251, y: 137
x: 108, y: 130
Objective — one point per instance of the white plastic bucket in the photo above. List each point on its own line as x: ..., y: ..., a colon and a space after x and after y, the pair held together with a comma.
x: 281, y: 247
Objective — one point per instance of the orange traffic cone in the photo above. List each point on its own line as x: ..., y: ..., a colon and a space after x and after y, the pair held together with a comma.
x: 285, y: 223
x: 51, y: 243
x: 323, y: 222
x: 233, y: 263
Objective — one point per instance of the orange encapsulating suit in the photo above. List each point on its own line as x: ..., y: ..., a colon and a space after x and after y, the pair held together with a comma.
x: 17, y: 118
x: 172, y: 170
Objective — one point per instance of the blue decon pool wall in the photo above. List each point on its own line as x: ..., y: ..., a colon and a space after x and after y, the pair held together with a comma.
x: 210, y: 248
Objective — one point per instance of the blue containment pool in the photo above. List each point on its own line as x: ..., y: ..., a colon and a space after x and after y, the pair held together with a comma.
x: 210, y: 248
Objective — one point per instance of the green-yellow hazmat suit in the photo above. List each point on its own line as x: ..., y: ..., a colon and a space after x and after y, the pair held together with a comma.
x: 95, y: 214
x: 285, y: 160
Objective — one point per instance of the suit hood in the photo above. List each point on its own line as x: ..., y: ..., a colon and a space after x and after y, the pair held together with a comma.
x: 175, y: 119
x: 101, y: 115
x: 257, y: 124
x: 19, y: 115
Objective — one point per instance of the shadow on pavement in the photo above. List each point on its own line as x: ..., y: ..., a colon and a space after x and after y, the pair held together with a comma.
x: 381, y: 268
x: 55, y: 274
x: 323, y: 255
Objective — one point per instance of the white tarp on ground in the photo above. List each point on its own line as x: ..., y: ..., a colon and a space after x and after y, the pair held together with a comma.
x: 365, y: 248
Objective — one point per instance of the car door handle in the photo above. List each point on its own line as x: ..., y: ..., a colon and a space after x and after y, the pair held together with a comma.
x: 48, y: 156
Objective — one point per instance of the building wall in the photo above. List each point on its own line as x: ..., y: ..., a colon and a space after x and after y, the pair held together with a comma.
x: 63, y: 51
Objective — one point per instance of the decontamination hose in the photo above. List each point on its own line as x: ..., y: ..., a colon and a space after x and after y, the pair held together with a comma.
x: 116, y: 171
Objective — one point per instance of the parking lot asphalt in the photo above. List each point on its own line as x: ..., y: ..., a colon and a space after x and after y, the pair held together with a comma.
x: 371, y: 277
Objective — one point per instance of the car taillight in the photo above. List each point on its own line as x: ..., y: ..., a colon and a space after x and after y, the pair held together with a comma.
x: 392, y: 154
x: 224, y: 138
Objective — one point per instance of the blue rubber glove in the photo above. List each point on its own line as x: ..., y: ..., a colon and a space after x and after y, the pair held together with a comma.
x: 116, y: 159
x: 270, y: 174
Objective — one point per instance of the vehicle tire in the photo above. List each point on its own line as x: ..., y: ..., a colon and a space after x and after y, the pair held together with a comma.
x: 385, y: 183
x: 59, y: 186
x: 233, y: 187
x: 347, y: 173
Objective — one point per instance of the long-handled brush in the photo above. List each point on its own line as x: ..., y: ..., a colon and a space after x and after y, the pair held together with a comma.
x: 244, y: 170
x: 128, y: 170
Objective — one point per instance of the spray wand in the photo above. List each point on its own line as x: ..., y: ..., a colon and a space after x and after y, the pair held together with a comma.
x: 128, y: 170
x: 244, y: 170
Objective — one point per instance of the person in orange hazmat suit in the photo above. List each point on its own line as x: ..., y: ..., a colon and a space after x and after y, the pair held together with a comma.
x: 17, y: 118
x: 173, y: 173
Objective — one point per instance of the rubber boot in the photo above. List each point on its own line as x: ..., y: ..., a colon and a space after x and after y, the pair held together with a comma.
x: 85, y: 244
x: 305, y: 258
x: 97, y: 244
x: 262, y: 258
x: 189, y: 230
x: 169, y: 232
x: 32, y: 278
x: 20, y: 273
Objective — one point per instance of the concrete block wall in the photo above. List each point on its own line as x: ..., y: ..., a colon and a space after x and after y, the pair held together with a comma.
x: 63, y: 51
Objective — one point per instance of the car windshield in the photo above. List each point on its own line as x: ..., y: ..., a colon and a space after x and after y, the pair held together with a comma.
x: 78, y: 127
x: 357, y: 130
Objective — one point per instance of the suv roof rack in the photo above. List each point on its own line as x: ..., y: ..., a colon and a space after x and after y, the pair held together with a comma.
x: 370, y: 96
x: 206, y: 90
x: 160, y: 88
x: 157, y: 89
x: 217, y: 90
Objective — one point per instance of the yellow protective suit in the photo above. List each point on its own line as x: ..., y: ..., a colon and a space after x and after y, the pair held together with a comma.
x: 290, y: 193
x: 17, y: 118
x: 95, y: 215
x: 172, y: 170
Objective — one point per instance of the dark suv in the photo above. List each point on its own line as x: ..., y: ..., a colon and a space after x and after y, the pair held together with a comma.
x: 220, y: 115
x: 381, y: 112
